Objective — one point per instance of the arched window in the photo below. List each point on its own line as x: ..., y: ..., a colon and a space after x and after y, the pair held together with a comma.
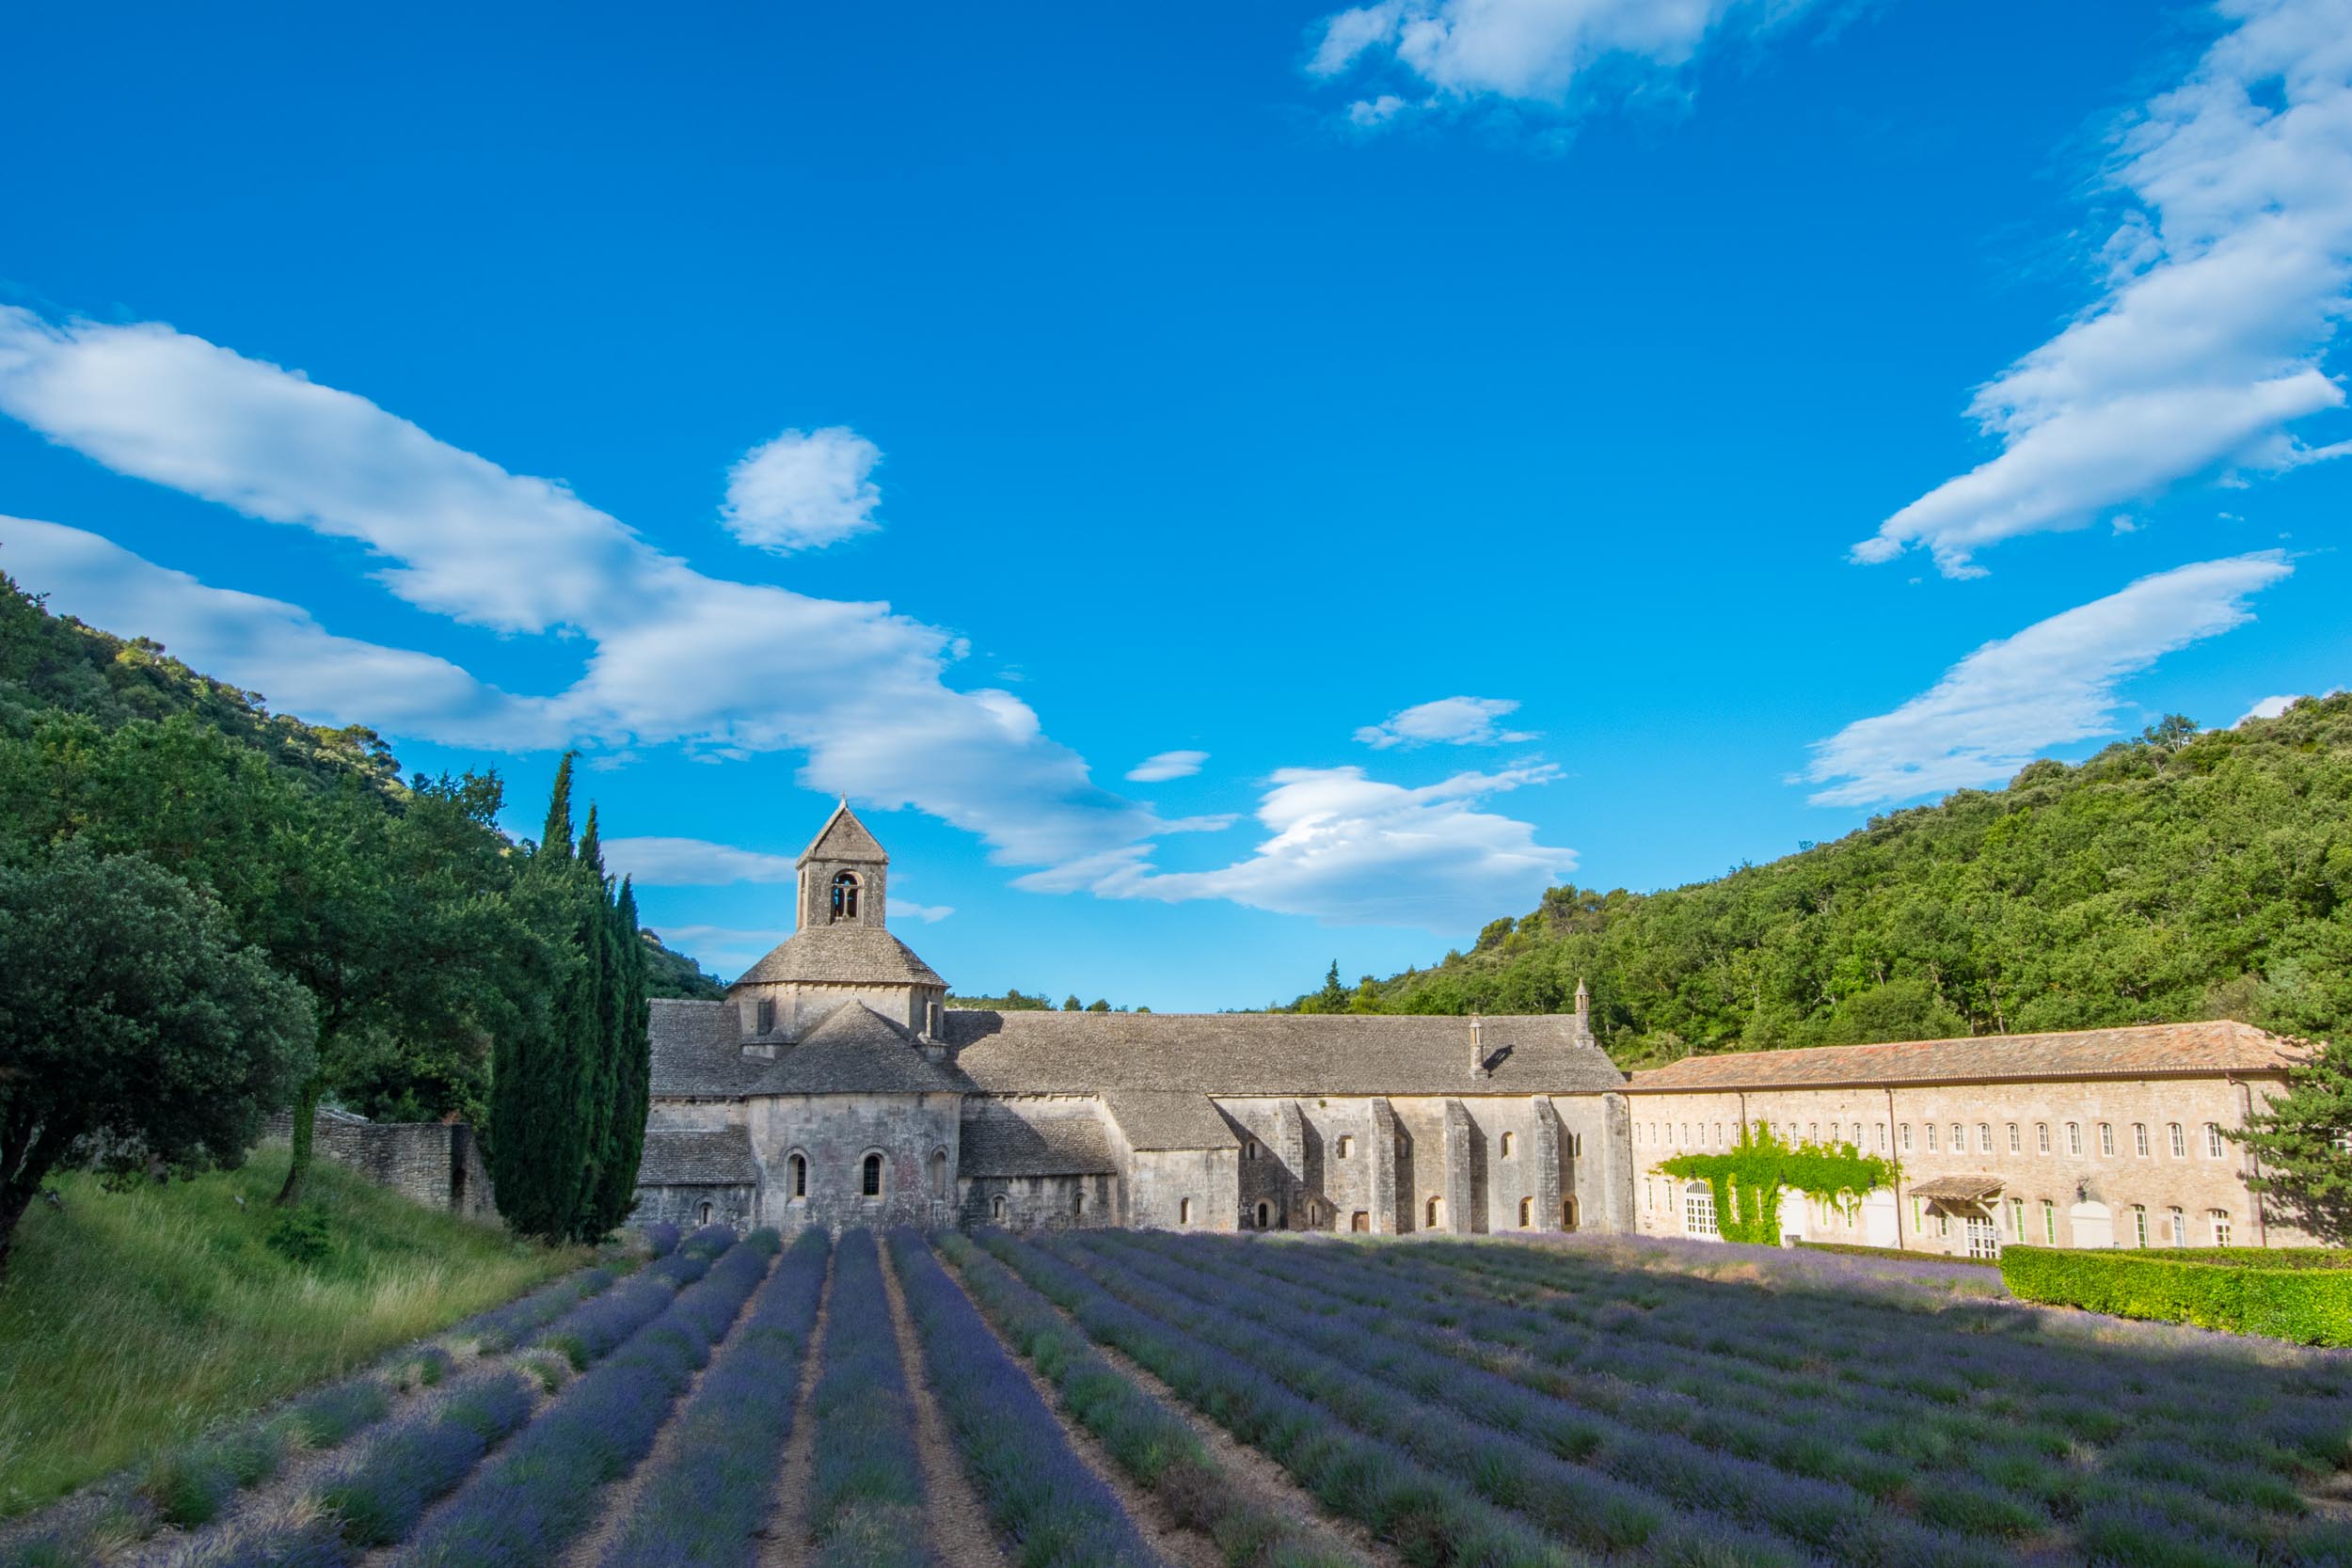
x: 1079, y: 1202
x: 996, y: 1208
x: 2139, y: 1224
x: 1930, y: 1138
x: 1436, y: 1214
x: 2140, y: 1139
x: 2213, y: 1143
x: 1699, y: 1209
x: 1184, y: 1210
x: 1250, y: 1149
x: 2074, y: 1137
x: 2042, y: 1137
x: 704, y: 1212
x: 2107, y: 1139
x: 2219, y: 1219
x: 2179, y: 1228
x: 845, y: 896
x: 2014, y: 1146
x: 1264, y: 1213
x: 1507, y: 1145
x: 1984, y: 1138
x: 799, y: 1178
x: 1360, y: 1221
x: 1527, y: 1213
x: 939, y: 1173
x: 2180, y: 1143
x: 1567, y: 1213
x: 870, y: 1185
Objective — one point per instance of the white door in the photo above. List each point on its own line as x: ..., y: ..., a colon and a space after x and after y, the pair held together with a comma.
x: 1982, y: 1240
x: 1878, y: 1219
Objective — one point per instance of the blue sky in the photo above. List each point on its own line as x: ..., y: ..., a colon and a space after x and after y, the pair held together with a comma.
x: 1443, y: 448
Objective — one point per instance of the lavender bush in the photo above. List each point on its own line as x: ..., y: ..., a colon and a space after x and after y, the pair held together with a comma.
x: 530, y: 1501
x: 866, y: 1497
x: 379, y: 1494
x: 504, y: 1327
x: 661, y: 1239
x: 1038, y: 1492
x: 706, y: 1504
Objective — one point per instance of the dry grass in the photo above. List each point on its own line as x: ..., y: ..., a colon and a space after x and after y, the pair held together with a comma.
x: 132, y: 1321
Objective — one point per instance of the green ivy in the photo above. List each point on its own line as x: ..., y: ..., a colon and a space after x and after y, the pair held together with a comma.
x: 1749, y: 1179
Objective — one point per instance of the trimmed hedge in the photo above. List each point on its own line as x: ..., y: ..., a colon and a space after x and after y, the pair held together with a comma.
x: 2307, y: 1303
x: 1855, y: 1249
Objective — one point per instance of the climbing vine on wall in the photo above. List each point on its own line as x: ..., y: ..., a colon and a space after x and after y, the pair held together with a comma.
x: 1749, y: 1179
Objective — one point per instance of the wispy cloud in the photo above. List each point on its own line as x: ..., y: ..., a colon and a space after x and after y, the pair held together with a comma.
x: 2224, y: 287
x: 673, y: 655
x: 804, y: 489
x: 2050, y: 684
x: 1448, y: 54
x: 1166, y: 766
x: 694, y: 863
x: 1449, y: 720
x: 1352, y: 851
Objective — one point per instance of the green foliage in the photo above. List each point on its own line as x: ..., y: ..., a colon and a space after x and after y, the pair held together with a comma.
x: 2311, y: 1305
x: 131, y: 1015
x: 671, y: 973
x: 2178, y: 877
x: 2301, y: 1140
x: 136, y: 1322
x: 1749, y: 1178
x: 300, y: 1235
x: 1014, y: 1001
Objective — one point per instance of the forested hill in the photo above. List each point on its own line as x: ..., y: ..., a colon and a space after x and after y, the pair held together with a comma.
x: 2177, y: 876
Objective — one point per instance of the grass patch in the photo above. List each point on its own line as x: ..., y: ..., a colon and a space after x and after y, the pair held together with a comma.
x: 133, y: 1321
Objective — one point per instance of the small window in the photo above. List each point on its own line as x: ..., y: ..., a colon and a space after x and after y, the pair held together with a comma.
x: 1250, y: 1149
x: 1575, y: 1145
x: 2016, y: 1217
x: 1812, y: 1131
x: 870, y: 1182
x: 2042, y: 1137
x: 1959, y: 1139
x: 1527, y: 1213
x: 799, y: 1178
x: 996, y: 1208
x: 2107, y: 1139
x: 2179, y: 1228
x: 1943, y: 1223
x: 1906, y: 1138
x: 2180, y: 1143
x: 2220, y: 1220
x: 1184, y: 1210
x: 2049, y: 1222
x: 1567, y: 1213
x: 1347, y: 1145
x: 1930, y: 1138
x: 2140, y: 1139
x: 845, y: 896
x: 2074, y: 1137
x: 1263, y: 1214
x: 1507, y: 1145
x: 1435, y: 1210
x: 1984, y: 1138
x: 1079, y: 1202
x: 704, y: 1214
x: 1881, y: 1137
x: 2015, y: 1146
x: 1686, y: 1134
x: 1719, y: 1133
x: 1832, y: 1131
x: 2213, y: 1140
x: 766, y: 1011
x: 939, y: 1173
x: 2139, y: 1224
x: 1360, y: 1221
x: 1918, y: 1217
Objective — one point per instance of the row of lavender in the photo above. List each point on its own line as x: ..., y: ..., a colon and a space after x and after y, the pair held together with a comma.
x: 1551, y: 1404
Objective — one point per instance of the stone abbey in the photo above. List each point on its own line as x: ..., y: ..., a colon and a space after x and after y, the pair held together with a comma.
x: 835, y: 1086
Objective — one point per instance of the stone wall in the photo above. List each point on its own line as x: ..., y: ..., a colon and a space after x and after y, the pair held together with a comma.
x: 1039, y: 1202
x: 436, y: 1163
x: 2090, y: 1187
x: 916, y: 1135
x: 691, y: 1207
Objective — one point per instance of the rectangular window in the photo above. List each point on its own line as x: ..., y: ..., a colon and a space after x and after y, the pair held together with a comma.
x: 1575, y: 1145
x: 2107, y: 1139
x: 2139, y: 1224
x: 1943, y: 1223
x: 2041, y: 1135
x: 1698, y: 1212
x: 2074, y: 1137
x: 2014, y: 1146
x: 2220, y: 1218
x: 2140, y: 1139
x: 2016, y: 1219
x: 1918, y: 1220
x: 2180, y: 1145
x: 2180, y: 1228
x: 2213, y: 1140
x: 2049, y: 1222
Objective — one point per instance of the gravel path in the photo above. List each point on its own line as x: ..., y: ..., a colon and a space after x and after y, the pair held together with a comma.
x: 961, y: 1535
x: 784, y: 1542
x: 1249, y: 1471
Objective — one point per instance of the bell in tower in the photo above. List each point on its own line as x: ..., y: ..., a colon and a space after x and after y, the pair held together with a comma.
x: 843, y: 875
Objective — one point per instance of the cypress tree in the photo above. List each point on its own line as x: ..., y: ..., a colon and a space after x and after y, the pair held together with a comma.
x: 632, y: 1075
x: 600, y: 1036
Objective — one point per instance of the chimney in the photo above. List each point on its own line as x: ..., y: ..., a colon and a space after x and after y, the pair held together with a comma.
x: 1583, y: 1009
x: 1478, y: 1049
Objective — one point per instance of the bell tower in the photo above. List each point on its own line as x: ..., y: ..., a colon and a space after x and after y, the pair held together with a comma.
x: 844, y: 875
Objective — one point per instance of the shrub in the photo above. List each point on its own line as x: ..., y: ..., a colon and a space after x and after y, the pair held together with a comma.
x: 301, y: 1235
x: 325, y: 1417
x: 2311, y: 1305
x: 661, y: 1239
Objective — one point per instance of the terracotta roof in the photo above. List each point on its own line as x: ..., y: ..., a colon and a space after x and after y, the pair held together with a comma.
x: 845, y: 954
x: 854, y: 1050
x: 697, y: 1157
x: 1271, y: 1053
x: 2142, y: 1050
x: 1149, y: 1120
x: 997, y: 1140
x: 1958, y: 1189
x: 844, y: 838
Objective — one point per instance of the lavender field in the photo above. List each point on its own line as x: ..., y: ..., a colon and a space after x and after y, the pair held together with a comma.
x: 1136, y: 1400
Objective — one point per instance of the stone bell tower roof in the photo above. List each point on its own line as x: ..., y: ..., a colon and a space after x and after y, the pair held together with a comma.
x: 841, y: 937
x: 844, y: 840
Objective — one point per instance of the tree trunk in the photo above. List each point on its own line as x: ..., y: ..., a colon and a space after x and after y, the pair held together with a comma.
x: 306, y: 1112
x: 15, y: 1197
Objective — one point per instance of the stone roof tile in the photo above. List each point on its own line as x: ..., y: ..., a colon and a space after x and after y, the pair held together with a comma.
x: 697, y: 1053
x: 997, y: 1140
x: 844, y: 838
x: 697, y: 1157
x: 843, y: 953
x: 2142, y: 1050
x: 1151, y: 1119
x: 854, y: 1050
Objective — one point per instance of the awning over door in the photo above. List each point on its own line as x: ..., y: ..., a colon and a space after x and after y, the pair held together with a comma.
x: 1958, y: 1189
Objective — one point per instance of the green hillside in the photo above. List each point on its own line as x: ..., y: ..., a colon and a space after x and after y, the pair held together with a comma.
x: 2176, y: 877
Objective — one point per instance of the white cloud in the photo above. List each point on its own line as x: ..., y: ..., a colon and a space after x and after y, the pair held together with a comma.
x: 2049, y: 685
x: 1166, y: 766
x: 694, y: 863
x: 2269, y: 708
x: 930, y: 915
x: 1351, y: 850
x: 1452, y: 720
x: 724, y: 668
x: 2224, y: 287
x: 1454, y: 51
x: 804, y: 489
